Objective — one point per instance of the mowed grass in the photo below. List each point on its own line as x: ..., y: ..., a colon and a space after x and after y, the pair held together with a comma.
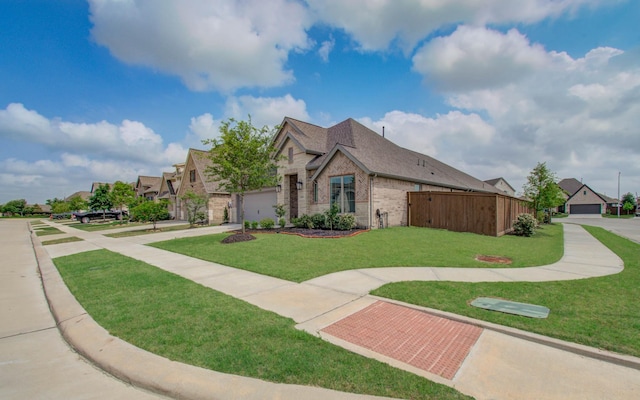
x: 101, y: 226
x: 298, y: 259
x: 140, y: 232
x: 600, y: 312
x: 69, y: 239
x: 46, y: 230
x: 184, y: 321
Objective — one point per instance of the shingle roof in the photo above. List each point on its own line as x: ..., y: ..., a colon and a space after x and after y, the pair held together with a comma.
x: 201, y: 161
x: 570, y: 185
x: 379, y: 156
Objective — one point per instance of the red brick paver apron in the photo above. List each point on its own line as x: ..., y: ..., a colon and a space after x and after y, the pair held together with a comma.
x: 434, y: 344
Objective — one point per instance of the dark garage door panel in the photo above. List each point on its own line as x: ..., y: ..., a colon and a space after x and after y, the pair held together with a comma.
x: 585, y: 209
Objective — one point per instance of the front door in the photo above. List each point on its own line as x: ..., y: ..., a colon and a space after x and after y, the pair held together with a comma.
x: 293, y: 196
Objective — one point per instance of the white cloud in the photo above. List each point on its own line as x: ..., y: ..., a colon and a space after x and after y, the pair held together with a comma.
x: 79, y: 153
x: 266, y: 110
x: 325, y: 49
x: 472, y: 58
x: 131, y: 140
x: 220, y: 45
x: 376, y: 25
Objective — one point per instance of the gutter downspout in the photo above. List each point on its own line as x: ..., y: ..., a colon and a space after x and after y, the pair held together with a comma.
x: 371, y: 200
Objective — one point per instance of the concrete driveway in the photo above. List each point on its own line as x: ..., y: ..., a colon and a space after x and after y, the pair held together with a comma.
x: 626, y: 227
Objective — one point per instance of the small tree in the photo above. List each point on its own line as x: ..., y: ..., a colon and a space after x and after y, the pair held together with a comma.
x: 101, y: 200
x: 542, y: 190
x: 193, y: 203
x: 242, y: 159
x: 59, y: 207
x: 628, y: 202
x: 151, y: 211
x: 76, y: 203
x: 121, y: 195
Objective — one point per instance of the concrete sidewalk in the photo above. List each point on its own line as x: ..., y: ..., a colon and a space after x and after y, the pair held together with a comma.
x: 502, y: 364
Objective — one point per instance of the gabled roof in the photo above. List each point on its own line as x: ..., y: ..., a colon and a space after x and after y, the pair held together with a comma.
x: 201, y: 161
x: 84, y: 195
x: 311, y: 138
x: 587, y: 187
x: 570, y: 185
x: 496, y: 180
x: 377, y: 155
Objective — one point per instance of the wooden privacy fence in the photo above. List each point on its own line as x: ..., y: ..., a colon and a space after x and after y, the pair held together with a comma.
x: 483, y: 213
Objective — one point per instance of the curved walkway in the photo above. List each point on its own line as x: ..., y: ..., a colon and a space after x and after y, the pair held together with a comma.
x: 503, y: 363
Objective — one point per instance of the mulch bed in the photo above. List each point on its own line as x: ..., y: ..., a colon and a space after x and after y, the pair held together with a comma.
x: 238, y: 236
x: 493, y: 259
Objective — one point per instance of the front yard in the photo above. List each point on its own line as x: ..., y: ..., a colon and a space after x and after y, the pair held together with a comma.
x: 299, y: 259
x: 184, y: 321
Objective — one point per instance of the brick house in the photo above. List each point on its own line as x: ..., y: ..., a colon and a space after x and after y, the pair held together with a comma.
x: 148, y: 187
x: 195, y: 180
x: 502, y: 185
x: 358, y: 169
x: 581, y: 199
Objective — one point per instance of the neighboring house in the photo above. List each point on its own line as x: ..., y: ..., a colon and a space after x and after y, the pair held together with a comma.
x: 581, y: 199
x: 95, y: 186
x: 194, y: 179
x: 148, y: 187
x: 84, y: 195
x: 359, y: 170
x: 502, y: 185
x: 169, y: 189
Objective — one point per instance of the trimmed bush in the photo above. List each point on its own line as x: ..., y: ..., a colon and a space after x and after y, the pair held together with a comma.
x: 525, y: 225
x: 318, y: 221
x: 267, y: 223
x: 303, y: 222
x: 247, y: 224
x: 254, y: 224
x: 346, y: 222
x: 282, y: 222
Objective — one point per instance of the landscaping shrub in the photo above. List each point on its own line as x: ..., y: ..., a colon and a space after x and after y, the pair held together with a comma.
x: 254, y: 224
x: 331, y: 216
x: 247, y: 224
x: 346, y: 222
x: 318, y: 221
x: 525, y: 225
x: 267, y: 223
x: 282, y: 222
x: 303, y: 222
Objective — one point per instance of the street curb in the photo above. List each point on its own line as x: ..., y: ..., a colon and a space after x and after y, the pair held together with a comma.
x: 149, y: 371
x: 586, y: 351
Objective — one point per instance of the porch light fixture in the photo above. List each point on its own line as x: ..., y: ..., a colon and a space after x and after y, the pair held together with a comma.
x: 278, y: 188
x: 299, y: 185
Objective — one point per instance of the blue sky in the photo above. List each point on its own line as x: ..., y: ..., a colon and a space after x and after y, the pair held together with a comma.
x: 107, y: 90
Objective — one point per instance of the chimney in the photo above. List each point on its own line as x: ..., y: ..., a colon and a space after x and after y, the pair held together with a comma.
x: 383, y: 131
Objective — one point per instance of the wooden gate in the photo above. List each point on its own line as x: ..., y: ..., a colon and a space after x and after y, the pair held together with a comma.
x: 489, y: 214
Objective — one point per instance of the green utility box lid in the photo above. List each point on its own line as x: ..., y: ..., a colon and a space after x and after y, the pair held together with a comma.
x: 511, y: 307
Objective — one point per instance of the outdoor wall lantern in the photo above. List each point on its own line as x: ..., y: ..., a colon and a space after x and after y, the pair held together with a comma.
x: 278, y: 188
x: 299, y: 185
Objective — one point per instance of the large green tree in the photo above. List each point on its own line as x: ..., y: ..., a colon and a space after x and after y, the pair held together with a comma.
x: 77, y: 203
x: 242, y: 159
x: 121, y: 195
x: 151, y: 211
x: 541, y: 190
x: 14, y: 207
x: 101, y: 199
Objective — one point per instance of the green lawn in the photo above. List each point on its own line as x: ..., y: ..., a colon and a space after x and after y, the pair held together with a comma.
x: 46, y: 230
x: 622, y: 216
x: 69, y: 239
x: 184, y: 321
x: 140, y: 232
x: 298, y: 259
x: 92, y: 227
x: 599, y: 312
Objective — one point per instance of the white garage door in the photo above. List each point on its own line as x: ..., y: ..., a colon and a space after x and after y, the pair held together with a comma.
x: 259, y: 205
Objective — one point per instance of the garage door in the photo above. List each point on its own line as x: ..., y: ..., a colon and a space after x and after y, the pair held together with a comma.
x: 585, y: 209
x: 259, y: 205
